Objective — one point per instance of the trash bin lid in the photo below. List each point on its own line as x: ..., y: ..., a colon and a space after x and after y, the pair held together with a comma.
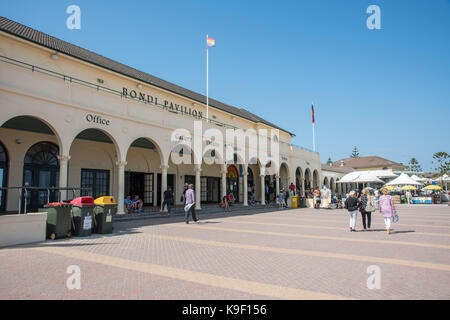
x: 105, y: 200
x: 56, y: 204
x: 83, y: 201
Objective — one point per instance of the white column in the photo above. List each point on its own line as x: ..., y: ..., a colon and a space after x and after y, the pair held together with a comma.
x: 277, y: 185
x: 63, y: 165
x: 155, y: 189
x: 224, y: 182
x: 121, y: 186
x: 245, y: 174
x: 198, y: 188
x: 163, y: 182
x: 263, y: 189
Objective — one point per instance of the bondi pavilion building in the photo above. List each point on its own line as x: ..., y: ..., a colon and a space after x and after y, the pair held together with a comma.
x: 73, y: 118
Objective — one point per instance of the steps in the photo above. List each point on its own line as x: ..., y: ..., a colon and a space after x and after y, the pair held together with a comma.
x: 206, y: 210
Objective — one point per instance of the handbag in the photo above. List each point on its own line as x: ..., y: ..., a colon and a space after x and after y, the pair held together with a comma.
x: 369, y: 206
x: 395, y: 218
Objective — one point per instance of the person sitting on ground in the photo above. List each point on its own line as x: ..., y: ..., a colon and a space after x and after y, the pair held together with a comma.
x: 224, y: 204
x: 128, y: 204
x: 137, y: 204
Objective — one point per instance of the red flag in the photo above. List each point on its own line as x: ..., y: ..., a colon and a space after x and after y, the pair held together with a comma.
x: 312, y: 113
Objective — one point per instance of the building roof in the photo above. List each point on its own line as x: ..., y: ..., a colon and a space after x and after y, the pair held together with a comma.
x: 40, y: 38
x: 366, y: 162
x: 339, y: 169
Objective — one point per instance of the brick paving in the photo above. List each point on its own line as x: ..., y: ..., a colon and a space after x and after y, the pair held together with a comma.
x: 245, y: 254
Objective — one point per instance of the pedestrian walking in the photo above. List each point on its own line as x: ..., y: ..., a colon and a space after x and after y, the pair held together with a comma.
x: 408, y: 196
x: 317, y: 200
x: 286, y: 198
x: 280, y: 199
x: 366, y: 206
x: 352, y: 204
x: 168, y: 200
x: 190, y: 204
x: 387, y: 208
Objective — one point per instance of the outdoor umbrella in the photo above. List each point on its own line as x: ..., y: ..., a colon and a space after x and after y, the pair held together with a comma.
x: 432, y: 187
x: 403, y: 179
x: 408, y: 188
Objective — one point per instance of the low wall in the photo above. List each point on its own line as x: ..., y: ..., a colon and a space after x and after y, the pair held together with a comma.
x: 22, y: 228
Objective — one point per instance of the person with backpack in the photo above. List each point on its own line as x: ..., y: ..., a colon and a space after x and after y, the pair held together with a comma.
x: 352, y: 204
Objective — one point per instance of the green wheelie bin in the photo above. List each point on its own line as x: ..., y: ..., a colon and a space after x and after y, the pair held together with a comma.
x: 104, y: 211
x: 82, y: 215
x: 59, y: 220
x: 301, y: 202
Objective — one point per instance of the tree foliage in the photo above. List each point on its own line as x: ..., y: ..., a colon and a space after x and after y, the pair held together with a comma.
x: 355, y: 153
x: 441, y: 160
x: 414, y: 165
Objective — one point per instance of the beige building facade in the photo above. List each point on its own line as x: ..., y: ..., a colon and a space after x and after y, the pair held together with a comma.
x: 69, y: 121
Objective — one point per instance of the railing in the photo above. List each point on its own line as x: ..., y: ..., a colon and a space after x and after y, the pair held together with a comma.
x: 23, y: 193
x: 98, y: 87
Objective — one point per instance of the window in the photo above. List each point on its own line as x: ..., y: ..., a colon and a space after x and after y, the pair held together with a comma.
x: 96, y: 180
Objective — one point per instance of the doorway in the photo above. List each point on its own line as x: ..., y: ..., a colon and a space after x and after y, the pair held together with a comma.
x: 41, y: 169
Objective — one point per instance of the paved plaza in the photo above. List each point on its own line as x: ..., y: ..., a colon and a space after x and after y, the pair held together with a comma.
x: 271, y: 254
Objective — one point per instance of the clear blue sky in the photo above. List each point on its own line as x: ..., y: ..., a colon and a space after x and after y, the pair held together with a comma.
x: 385, y: 91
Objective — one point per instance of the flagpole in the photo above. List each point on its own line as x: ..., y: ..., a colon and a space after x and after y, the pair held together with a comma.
x: 207, y: 108
x: 314, y: 135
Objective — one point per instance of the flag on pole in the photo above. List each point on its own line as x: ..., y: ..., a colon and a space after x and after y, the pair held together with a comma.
x: 312, y: 113
x: 210, y: 42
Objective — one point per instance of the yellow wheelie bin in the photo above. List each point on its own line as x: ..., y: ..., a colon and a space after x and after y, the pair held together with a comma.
x: 104, y: 211
x: 294, y: 200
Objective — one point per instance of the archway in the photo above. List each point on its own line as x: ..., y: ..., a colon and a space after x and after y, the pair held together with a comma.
x: 3, y: 176
x: 93, y: 163
x: 284, y: 176
x: 19, y: 134
x: 233, y: 181
x: 144, y: 160
x: 316, y: 179
x: 308, y: 180
x: 299, y: 181
x: 41, y: 169
x: 325, y: 182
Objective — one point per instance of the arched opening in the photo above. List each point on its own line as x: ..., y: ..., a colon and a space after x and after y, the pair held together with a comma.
x: 284, y: 176
x: 325, y: 182
x: 233, y: 181
x: 93, y: 163
x: 332, y: 186
x: 41, y: 169
x: 3, y: 176
x: 141, y: 172
x: 316, y: 179
x: 308, y: 185
x: 20, y: 135
x: 298, y: 181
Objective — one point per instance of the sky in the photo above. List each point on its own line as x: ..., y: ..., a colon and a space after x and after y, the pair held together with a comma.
x: 385, y: 91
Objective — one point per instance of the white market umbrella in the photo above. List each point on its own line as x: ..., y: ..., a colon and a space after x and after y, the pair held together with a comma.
x: 367, y: 178
x: 414, y: 177
x: 403, y: 179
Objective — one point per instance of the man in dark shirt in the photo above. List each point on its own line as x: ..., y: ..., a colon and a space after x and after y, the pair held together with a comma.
x: 168, y: 199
